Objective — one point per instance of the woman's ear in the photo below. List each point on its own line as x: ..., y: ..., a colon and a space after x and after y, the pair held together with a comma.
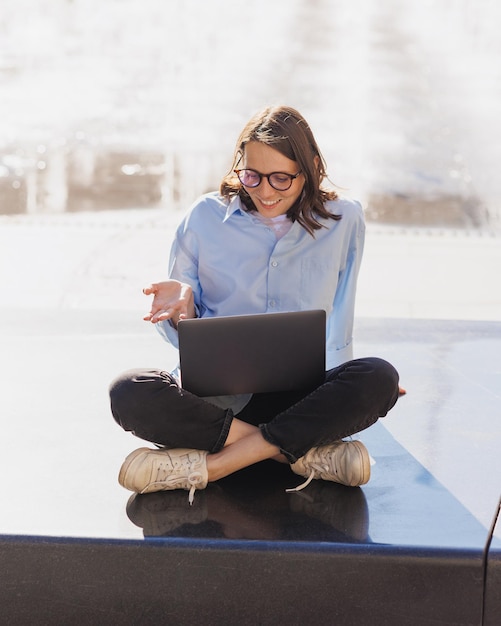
x: 316, y: 160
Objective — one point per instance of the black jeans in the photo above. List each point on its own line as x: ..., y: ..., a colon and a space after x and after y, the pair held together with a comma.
x: 151, y: 405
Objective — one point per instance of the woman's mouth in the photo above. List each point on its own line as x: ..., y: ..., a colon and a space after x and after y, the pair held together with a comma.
x: 269, y: 204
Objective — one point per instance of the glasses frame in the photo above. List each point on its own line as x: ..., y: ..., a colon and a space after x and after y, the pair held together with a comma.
x: 292, y: 178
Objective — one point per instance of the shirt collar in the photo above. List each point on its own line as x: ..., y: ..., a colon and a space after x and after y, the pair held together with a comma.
x: 234, y: 206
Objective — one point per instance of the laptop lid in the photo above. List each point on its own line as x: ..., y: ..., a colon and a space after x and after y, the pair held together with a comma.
x: 252, y: 353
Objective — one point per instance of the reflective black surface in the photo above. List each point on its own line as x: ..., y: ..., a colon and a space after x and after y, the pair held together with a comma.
x: 435, y: 480
x: 402, y: 505
x: 253, y: 505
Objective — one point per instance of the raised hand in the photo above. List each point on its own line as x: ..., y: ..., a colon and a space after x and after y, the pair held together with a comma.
x: 172, y: 300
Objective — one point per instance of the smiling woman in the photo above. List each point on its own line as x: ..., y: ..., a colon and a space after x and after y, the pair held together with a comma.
x: 275, y: 193
x: 280, y: 141
x: 273, y: 239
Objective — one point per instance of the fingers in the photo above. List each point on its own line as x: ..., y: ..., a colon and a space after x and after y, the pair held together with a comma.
x: 158, y: 316
x: 148, y: 291
x: 161, y: 315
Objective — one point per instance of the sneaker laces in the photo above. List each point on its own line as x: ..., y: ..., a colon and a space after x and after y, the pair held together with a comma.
x: 302, y: 485
x: 194, y: 479
x: 317, y: 468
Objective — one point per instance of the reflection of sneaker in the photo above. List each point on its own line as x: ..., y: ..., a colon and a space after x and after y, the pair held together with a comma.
x: 345, y: 462
x: 146, y: 470
x: 160, y: 513
x: 344, y: 510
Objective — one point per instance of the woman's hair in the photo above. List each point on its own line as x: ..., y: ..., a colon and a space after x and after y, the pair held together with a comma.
x: 284, y: 129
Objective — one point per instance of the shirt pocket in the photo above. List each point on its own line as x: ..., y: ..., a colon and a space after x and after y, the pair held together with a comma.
x: 319, y: 278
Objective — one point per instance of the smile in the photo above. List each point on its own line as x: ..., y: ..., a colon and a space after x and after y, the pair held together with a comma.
x: 269, y: 202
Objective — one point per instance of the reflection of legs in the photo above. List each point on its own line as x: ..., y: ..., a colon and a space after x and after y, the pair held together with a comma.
x: 238, y: 521
x: 162, y: 513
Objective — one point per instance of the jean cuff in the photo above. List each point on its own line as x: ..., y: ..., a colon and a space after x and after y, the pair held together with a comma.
x: 267, y: 437
x: 228, y: 418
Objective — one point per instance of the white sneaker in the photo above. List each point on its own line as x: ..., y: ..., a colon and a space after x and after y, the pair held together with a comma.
x: 345, y: 462
x: 145, y: 470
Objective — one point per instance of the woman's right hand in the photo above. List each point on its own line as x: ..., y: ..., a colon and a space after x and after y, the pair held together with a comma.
x: 172, y: 300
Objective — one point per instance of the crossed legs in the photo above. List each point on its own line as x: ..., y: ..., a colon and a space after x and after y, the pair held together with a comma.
x: 245, y: 445
x: 285, y: 427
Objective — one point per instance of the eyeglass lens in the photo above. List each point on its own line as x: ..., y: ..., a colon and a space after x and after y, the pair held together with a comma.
x: 278, y: 180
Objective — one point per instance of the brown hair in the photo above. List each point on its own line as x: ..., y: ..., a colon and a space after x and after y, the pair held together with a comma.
x: 284, y: 129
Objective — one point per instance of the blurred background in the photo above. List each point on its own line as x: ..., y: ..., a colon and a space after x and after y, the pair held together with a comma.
x: 124, y: 103
x: 116, y: 114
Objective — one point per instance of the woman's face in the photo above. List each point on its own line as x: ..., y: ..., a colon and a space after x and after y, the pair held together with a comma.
x: 268, y: 201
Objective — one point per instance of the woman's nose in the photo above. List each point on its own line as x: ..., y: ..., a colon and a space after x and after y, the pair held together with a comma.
x: 265, y: 188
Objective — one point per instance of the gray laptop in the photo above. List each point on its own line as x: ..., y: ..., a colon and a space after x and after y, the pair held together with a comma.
x: 252, y: 353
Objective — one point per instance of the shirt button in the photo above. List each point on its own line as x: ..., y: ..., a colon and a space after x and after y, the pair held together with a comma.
x: 272, y: 303
x: 274, y: 264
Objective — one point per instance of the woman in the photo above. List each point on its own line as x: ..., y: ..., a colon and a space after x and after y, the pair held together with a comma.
x: 272, y: 239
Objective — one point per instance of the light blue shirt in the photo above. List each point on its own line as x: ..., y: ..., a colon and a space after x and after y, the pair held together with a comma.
x: 235, y: 265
